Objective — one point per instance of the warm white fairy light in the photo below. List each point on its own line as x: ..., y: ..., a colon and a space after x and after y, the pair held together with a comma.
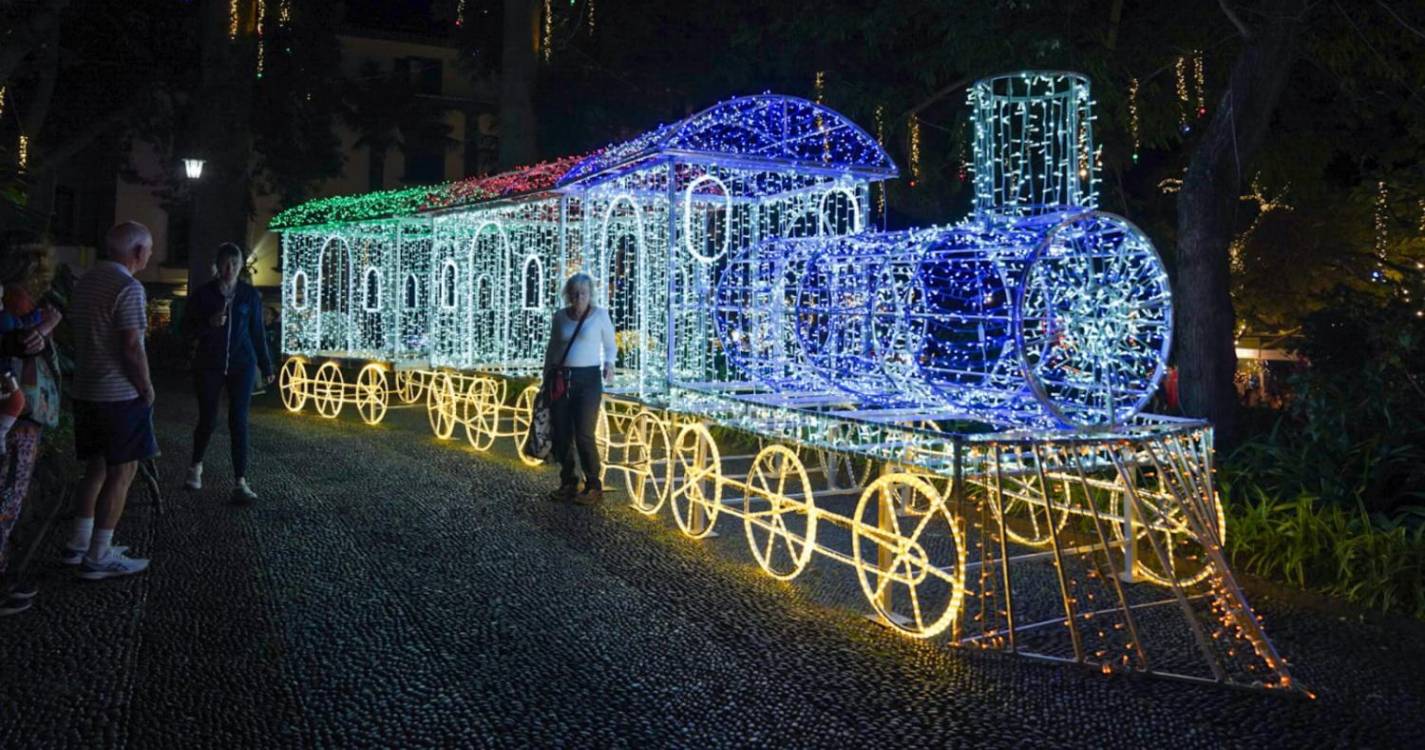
x: 261, y: 41
x: 460, y: 12
x: 234, y: 22
x: 1199, y: 82
x: 881, y: 189
x: 1382, y: 232
x: 1133, y: 123
x: 2, y: 99
x: 24, y: 151
x: 591, y: 17
x: 1182, y: 88
x: 914, y: 156
x: 548, y: 29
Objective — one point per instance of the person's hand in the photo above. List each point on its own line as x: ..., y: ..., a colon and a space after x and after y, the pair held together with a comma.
x: 218, y: 318
x: 608, y: 373
x: 148, y: 395
x: 50, y: 317
x: 269, y: 377
x: 33, y: 343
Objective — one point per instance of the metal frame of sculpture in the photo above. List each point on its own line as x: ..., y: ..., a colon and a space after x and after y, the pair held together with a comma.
x: 954, y: 412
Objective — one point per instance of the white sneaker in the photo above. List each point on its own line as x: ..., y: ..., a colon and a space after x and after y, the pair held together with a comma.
x: 242, y: 492
x: 113, y: 565
x: 195, y: 477
x: 72, y: 556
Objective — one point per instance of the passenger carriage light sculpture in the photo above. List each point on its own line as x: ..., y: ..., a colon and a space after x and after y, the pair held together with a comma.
x: 955, y: 413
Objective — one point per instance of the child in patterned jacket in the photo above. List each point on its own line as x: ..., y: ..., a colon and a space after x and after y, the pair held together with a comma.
x: 17, y: 312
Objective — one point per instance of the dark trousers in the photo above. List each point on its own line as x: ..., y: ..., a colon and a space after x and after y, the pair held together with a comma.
x: 576, y: 416
x: 209, y: 385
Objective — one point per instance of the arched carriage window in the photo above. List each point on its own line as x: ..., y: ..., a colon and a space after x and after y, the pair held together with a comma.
x: 411, y: 299
x: 447, y: 285
x: 840, y: 211
x: 299, y: 290
x: 484, y: 297
x: 533, y: 284
x: 373, y: 290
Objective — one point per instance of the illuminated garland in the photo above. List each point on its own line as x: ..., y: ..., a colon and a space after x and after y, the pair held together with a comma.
x: 541, y: 176
x: 1382, y: 240
x: 1133, y: 123
x: 881, y: 189
x: 2, y: 99
x: 261, y: 41
x: 24, y: 151
x: 548, y: 29
x: 233, y: 20
x: 591, y: 17
x: 1182, y: 89
x: 460, y: 13
x: 1199, y: 82
x: 914, y: 157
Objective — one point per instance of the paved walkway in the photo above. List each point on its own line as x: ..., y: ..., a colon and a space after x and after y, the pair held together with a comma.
x: 390, y: 589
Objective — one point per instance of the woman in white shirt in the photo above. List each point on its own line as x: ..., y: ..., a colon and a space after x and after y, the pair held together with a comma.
x: 584, y: 352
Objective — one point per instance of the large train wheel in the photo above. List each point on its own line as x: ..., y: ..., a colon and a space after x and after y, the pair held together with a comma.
x: 292, y: 382
x: 696, y: 489
x: 371, y: 393
x: 409, y: 386
x: 777, y: 500
x: 1033, y: 514
x: 440, y: 405
x: 524, y: 417
x: 843, y: 470
x: 481, y: 413
x: 328, y: 390
x: 912, y: 571
x: 602, y: 440
x: 1163, y: 528
x: 647, y: 462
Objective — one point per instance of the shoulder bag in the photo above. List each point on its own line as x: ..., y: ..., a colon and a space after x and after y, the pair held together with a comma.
x: 541, y: 423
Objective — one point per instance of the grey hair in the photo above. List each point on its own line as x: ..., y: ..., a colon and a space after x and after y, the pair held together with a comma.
x: 579, y: 279
x: 123, y: 239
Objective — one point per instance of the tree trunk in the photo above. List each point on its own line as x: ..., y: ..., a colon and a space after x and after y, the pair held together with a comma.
x: 222, y: 201
x: 519, y: 68
x: 1206, y: 354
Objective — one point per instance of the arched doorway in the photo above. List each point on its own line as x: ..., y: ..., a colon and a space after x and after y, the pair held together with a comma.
x: 334, y: 322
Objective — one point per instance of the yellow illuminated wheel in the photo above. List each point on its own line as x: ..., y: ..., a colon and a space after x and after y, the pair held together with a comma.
x: 371, y: 394
x: 647, y: 462
x: 1162, y: 521
x: 601, y: 439
x: 409, y: 386
x: 844, y: 471
x: 696, y: 489
x: 1032, y: 514
x: 292, y: 382
x: 440, y: 405
x: 481, y: 413
x: 524, y: 417
x: 779, y: 512
x: 912, y: 571
x: 328, y: 390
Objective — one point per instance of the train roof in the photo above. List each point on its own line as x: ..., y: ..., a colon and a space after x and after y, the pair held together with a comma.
x: 765, y: 130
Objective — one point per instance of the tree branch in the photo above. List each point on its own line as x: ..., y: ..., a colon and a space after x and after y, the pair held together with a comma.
x: 1401, y: 21
x: 1235, y: 19
x: 20, y: 41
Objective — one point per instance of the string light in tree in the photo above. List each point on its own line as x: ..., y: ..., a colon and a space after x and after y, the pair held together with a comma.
x: 548, y: 29
x: 1183, y: 102
x: 460, y: 13
x: 591, y: 17
x: 2, y: 99
x: 1199, y: 81
x: 914, y: 150
x: 1382, y: 205
x: 24, y: 151
x: 881, y: 189
x: 284, y: 12
x: 261, y: 41
x: 233, y: 19
x: 1133, y: 123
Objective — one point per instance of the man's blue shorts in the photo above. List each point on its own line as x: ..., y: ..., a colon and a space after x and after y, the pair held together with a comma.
x: 120, y: 431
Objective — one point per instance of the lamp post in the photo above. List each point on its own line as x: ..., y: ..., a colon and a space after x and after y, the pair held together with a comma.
x: 193, y: 168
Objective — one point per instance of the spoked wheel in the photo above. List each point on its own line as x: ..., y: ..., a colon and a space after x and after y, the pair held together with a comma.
x: 440, y: 405
x: 779, y: 512
x: 696, y: 488
x: 524, y: 418
x: 292, y: 382
x: 647, y: 462
x: 1033, y: 514
x: 912, y: 571
x: 327, y: 390
x: 409, y: 386
x: 843, y: 470
x: 481, y: 413
x: 371, y: 393
x: 1165, y: 549
x: 601, y: 439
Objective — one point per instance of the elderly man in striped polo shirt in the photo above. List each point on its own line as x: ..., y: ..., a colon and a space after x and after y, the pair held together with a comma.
x: 113, y: 399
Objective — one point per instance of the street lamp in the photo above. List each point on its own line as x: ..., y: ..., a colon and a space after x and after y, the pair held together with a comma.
x: 193, y: 168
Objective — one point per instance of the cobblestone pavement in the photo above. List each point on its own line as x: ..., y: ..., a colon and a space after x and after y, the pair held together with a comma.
x: 392, y: 590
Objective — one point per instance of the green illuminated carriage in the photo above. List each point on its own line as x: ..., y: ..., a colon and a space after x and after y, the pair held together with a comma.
x: 953, y: 412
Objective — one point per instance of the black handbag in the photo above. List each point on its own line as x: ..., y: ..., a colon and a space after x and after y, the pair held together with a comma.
x: 541, y: 423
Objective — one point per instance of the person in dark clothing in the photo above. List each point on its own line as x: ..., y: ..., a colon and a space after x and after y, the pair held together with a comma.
x: 225, y: 316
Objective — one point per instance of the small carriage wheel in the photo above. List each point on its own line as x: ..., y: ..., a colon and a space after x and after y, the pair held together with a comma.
x: 524, y: 418
x: 843, y: 470
x: 371, y: 393
x: 601, y: 439
x: 647, y: 462
x: 329, y: 390
x: 292, y: 382
x: 1187, y: 561
x: 481, y: 412
x: 696, y: 480
x: 1032, y: 513
x: 913, y: 571
x: 409, y: 386
x: 777, y: 492
x: 440, y: 405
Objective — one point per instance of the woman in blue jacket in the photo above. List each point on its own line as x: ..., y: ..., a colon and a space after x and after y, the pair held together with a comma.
x: 225, y: 316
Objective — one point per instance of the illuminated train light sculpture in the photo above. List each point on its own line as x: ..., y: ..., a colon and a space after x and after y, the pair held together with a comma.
x: 954, y: 413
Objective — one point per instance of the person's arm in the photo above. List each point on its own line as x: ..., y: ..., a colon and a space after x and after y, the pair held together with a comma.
x: 550, y: 351
x: 130, y: 320
x: 21, y: 343
x: 259, y: 337
x: 610, y: 344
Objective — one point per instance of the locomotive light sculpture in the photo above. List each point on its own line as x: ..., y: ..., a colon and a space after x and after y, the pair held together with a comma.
x: 953, y: 413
